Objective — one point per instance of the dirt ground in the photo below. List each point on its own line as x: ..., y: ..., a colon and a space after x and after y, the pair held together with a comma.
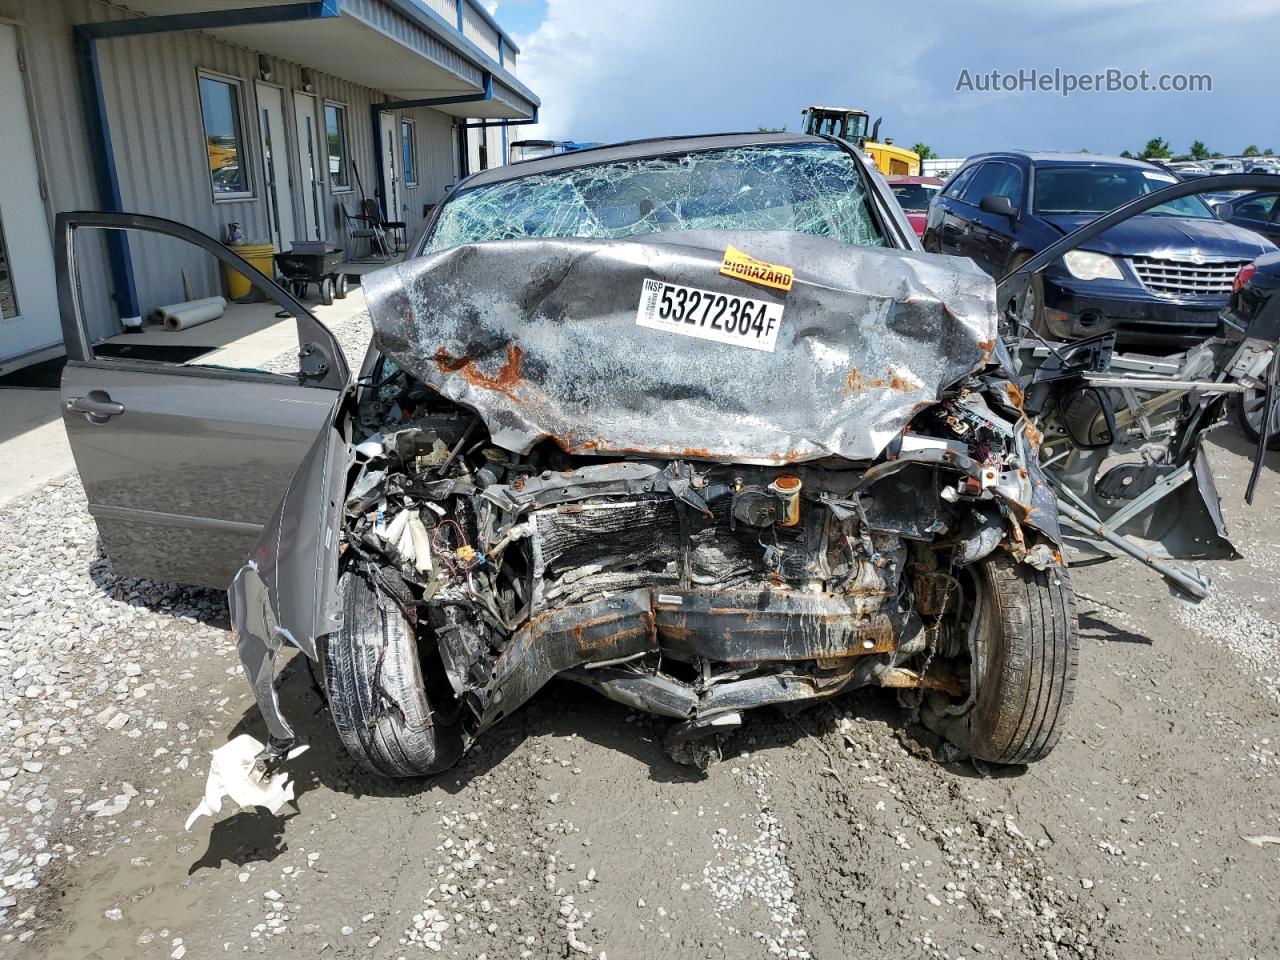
x: 823, y: 833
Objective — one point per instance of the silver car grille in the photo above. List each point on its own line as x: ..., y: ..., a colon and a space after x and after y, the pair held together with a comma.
x: 1182, y: 278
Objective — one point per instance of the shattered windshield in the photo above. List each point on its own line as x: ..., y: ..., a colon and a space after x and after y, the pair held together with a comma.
x: 805, y: 188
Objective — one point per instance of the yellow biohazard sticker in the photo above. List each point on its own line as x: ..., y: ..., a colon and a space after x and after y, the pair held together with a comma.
x: 743, y: 266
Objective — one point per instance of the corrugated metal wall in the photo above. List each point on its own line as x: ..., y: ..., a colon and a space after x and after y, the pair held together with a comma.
x: 446, y: 8
x: 437, y: 166
x: 475, y: 29
x: 156, y: 127
x: 394, y: 24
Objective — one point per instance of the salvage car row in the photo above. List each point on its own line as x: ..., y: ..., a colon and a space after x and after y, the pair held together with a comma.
x: 586, y: 442
x: 1159, y: 280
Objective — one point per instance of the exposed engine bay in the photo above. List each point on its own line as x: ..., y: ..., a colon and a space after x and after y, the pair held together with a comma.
x: 538, y: 485
x: 690, y: 590
x: 686, y: 588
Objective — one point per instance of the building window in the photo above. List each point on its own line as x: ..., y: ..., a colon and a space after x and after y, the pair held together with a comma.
x: 335, y: 134
x: 408, y: 153
x: 224, y: 137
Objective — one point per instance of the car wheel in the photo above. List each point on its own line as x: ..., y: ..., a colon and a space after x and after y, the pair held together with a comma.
x: 1031, y: 310
x: 1249, y: 415
x: 326, y: 291
x: 1024, y: 637
x: 377, y: 696
x: 340, y: 287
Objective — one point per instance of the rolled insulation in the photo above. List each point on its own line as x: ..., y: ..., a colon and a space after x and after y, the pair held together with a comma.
x: 180, y: 316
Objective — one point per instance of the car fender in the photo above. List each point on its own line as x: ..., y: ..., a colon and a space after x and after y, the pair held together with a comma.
x: 287, y: 591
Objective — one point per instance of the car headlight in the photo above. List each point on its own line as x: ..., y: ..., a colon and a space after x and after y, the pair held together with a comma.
x: 1086, y: 265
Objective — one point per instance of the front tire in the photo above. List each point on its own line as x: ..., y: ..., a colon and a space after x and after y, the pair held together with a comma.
x: 1030, y: 310
x: 1249, y: 416
x: 373, y: 676
x: 1027, y: 649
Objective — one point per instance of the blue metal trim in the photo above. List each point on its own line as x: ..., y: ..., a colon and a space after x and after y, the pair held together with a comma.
x: 503, y: 123
x: 445, y: 32
x: 107, y: 180
x: 376, y: 109
x: 485, y: 94
x: 85, y: 37
x: 461, y: 21
x: 375, y: 115
x: 497, y: 27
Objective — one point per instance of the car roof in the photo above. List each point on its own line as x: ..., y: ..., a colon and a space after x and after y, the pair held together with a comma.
x: 1048, y: 158
x: 635, y: 149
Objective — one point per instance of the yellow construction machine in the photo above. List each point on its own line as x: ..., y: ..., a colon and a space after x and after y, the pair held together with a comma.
x: 850, y: 123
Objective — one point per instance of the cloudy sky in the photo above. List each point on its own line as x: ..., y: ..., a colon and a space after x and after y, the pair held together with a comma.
x: 620, y: 69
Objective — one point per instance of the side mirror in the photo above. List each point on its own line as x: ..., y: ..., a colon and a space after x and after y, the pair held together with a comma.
x: 1224, y: 210
x: 994, y: 203
x: 1088, y: 417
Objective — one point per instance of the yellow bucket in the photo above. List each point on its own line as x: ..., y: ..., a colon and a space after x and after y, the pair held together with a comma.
x: 259, y: 255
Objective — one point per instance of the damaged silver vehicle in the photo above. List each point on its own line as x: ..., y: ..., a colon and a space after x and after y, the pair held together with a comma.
x: 693, y: 422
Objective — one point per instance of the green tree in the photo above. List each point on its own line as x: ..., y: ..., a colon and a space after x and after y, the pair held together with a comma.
x: 925, y: 151
x: 1199, y: 151
x: 771, y: 129
x: 1250, y: 151
x: 1126, y: 154
x: 1268, y: 152
x: 1157, y: 148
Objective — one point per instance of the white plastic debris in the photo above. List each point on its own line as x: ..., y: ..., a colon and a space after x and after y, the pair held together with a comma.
x: 232, y: 774
x: 1261, y: 839
x: 421, y: 542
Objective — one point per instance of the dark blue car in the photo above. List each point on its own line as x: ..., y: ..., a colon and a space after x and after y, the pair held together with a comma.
x: 1259, y: 212
x: 1159, y: 279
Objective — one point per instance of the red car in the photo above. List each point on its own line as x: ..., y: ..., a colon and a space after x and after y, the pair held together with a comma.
x: 914, y: 194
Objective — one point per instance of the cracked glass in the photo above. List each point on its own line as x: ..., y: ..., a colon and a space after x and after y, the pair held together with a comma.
x: 812, y: 188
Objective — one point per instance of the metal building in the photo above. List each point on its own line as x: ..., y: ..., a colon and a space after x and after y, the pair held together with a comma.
x: 277, y: 115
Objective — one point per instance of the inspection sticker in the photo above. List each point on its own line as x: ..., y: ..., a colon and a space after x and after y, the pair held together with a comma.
x: 707, y: 315
x: 743, y: 266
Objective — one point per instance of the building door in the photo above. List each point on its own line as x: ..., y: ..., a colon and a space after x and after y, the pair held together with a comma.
x: 310, y: 186
x: 390, y: 179
x: 275, y: 166
x: 29, y: 321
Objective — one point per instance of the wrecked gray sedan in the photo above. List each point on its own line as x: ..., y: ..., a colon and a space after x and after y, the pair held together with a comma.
x: 691, y: 423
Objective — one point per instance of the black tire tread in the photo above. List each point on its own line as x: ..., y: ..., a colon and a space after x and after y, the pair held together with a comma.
x: 1030, y: 681
x: 1273, y: 443
x: 382, y: 715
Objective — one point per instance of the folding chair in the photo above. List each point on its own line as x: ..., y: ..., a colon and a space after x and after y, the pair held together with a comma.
x: 360, y: 226
x: 373, y: 212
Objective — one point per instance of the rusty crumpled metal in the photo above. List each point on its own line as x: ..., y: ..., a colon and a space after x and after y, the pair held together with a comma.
x: 539, y: 337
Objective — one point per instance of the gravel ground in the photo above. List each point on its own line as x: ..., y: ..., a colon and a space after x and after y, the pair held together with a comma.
x: 826, y: 833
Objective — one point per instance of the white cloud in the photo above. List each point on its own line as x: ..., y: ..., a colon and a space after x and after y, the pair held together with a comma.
x: 619, y: 69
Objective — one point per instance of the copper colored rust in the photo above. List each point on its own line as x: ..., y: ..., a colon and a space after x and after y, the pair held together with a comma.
x: 589, y: 641
x: 856, y: 381
x: 900, y: 678
x: 504, y: 381
x: 933, y: 592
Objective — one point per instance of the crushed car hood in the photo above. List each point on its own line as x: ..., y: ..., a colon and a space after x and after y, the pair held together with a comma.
x: 540, y: 337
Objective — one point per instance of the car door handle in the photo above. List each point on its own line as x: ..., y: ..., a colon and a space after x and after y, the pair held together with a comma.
x: 98, y: 407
